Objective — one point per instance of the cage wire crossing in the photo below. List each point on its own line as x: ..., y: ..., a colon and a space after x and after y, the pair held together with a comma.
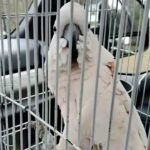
x: 60, y: 87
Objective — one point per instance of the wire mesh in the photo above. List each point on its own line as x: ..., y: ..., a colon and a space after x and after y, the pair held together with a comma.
x: 30, y: 115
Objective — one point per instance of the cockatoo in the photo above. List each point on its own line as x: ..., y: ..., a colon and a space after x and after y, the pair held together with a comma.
x: 138, y: 138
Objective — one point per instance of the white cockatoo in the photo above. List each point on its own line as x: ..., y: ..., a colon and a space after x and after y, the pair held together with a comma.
x: 138, y: 138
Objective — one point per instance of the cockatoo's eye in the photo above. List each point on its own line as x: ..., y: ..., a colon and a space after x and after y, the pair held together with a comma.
x: 54, y: 29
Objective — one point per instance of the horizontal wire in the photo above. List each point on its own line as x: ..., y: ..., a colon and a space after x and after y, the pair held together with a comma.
x: 5, y: 15
x: 16, y: 130
x: 39, y: 14
x: 40, y: 119
x: 17, y: 126
x: 32, y: 96
x: 16, y: 102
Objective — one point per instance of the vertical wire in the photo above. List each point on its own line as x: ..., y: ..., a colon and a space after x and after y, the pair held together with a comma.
x: 148, y: 141
x: 105, y: 23
x: 110, y: 25
x: 61, y: 128
x: 69, y: 73
x: 145, y: 82
x: 114, y: 34
x: 4, y: 88
x: 46, y: 65
x: 43, y: 55
x: 1, y: 87
x: 93, y: 12
x: 50, y: 30
x: 137, y: 41
x: 49, y: 22
x: 46, y: 60
x: 0, y: 114
x: 1, y: 102
x: 82, y: 71
x: 1, y: 83
x: 28, y: 70
x: 102, y: 18
x: 131, y: 35
x: 11, y: 74
x: 114, y: 27
x: 57, y: 68
x: 19, y: 74
x: 125, y: 34
x: 39, y: 119
x: 121, y: 27
x: 50, y: 108
x: 96, y: 14
x: 138, y: 61
x: 90, y: 10
x: 6, y: 123
x: 50, y: 27
x: 147, y: 112
x: 36, y: 61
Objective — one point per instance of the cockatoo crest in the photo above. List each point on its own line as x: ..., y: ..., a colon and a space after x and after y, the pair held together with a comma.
x: 65, y: 14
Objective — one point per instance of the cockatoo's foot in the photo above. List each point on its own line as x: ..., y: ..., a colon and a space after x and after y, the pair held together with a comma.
x: 96, y: 146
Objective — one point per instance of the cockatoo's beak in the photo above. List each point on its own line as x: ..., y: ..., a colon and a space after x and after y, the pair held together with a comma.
x: 72, y: 38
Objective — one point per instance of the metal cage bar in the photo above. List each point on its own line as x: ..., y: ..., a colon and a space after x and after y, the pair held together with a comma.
x: 34, y: 102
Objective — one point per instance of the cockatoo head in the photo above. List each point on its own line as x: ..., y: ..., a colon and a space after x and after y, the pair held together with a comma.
x: 63, y: 33
x: 65, y: 14
x: 63, y: 37
x: 60, y: 49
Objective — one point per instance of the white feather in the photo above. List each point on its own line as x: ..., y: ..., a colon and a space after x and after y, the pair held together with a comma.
x: 138, y: 138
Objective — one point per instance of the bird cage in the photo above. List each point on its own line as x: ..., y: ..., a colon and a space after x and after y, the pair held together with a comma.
x: 30, y: 116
